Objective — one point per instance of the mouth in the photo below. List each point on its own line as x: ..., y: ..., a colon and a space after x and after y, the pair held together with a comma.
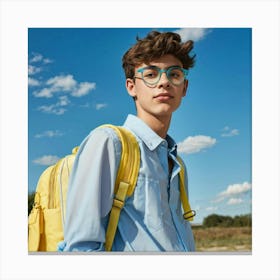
x: 163, y: 97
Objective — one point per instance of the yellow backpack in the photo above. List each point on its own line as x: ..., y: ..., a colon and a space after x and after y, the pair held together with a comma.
x: 46, y: 219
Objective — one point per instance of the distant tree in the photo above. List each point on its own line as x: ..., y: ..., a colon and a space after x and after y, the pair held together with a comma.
x: 243, y: 220
x: 30, y: 201
x: 212, y: 220
x: 215, y: 220
x: 227, y: 221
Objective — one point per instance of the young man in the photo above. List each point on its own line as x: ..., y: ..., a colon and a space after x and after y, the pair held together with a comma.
x: 151, y: 220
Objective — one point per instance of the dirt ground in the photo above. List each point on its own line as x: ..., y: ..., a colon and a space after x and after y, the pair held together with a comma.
x: 217, y: 239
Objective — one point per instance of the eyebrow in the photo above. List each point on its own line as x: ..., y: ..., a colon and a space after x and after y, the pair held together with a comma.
x: 150, y: 65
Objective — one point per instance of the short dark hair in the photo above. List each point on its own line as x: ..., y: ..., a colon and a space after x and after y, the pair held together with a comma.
x: 154, y: 46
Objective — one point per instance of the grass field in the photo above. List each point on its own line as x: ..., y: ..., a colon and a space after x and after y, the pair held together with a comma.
x: 222, y: 239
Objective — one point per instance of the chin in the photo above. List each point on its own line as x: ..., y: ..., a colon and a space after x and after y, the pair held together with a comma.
x: 164, y: 113
x: 167, y: 108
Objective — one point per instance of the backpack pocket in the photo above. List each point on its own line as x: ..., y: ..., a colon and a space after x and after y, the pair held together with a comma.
x: 35, y: 224
x: 53, y: 232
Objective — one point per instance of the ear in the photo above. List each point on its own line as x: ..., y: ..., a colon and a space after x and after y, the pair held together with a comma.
x: 130, y: 87
x: 185, y: 88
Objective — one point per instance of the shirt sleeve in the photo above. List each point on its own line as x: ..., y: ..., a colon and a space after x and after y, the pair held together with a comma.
x: 90, y: 192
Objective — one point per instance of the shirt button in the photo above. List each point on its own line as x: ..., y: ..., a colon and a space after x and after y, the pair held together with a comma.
x: 164, y: 144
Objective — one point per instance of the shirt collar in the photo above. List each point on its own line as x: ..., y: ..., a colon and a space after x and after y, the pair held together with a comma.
x: 147, y: 135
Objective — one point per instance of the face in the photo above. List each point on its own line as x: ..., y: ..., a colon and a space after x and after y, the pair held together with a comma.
x: 161, y: 99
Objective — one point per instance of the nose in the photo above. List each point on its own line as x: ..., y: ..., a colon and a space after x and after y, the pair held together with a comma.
x: 163, y: 81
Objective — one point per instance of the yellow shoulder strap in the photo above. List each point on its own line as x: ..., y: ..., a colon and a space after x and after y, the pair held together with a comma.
x: 125, y: 181
x: 188, y: 213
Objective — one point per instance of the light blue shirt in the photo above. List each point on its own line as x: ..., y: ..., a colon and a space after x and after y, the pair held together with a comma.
x: 151, y: 220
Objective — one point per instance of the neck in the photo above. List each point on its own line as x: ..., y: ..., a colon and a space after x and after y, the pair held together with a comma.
x: 159, y: 125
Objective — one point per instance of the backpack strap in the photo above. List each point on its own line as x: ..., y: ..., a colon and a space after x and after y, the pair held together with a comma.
x: 188, y: 212
x: 64, y: 172
x: 125, y: 181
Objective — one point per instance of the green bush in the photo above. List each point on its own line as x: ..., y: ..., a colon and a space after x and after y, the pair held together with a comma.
x: 215, y: 220
x: 30, y: 201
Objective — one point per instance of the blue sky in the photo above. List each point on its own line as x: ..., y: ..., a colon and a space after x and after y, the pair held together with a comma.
x: 76, y: 83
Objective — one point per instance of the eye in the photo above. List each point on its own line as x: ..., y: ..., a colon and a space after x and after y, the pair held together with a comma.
x: 150, y: 73
x: 175, y: 73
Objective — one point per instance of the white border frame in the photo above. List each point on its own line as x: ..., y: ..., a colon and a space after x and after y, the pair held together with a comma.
x: 17, y: 16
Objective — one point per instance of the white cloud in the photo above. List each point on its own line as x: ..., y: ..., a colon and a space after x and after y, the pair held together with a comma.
x: 83, y: 89
x: 36, y: 58
x: 49, y: 134
x: 195, y: 144
x: 63, y: 101
x: 234, y: 201
x: 65, y: 83
x: 228, y: 132
x: 62, y: 83
x: 100, y: 106
x: 194, y: 34
x: 218, y: 199
x: 52, y: 109
x: 45, y: 92
x: 32, y: 70
x: 55, y: 86
x: 33, y: 82
x: 211, y: 208
x: 47, y: 61
x: 57, y: 108
x: 46, y: 160
x: 236, y: 189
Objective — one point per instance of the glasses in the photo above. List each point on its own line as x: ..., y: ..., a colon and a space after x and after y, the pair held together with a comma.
x: 152, y: 74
